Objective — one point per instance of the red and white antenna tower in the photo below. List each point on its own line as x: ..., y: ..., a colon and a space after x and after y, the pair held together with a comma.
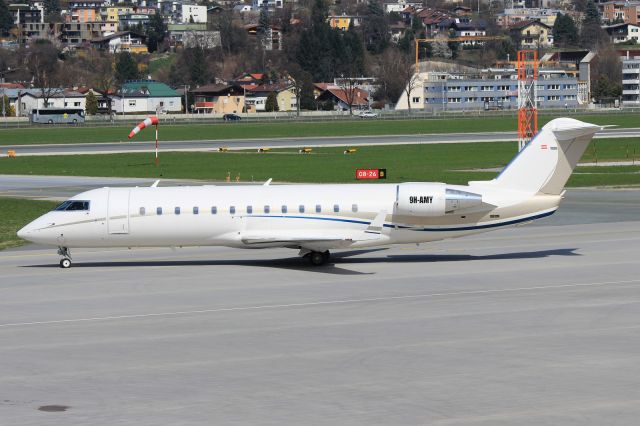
x: 527, y: 96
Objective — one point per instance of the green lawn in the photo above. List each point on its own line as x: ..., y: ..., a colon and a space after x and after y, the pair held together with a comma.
x: 16, y: 213
x: 242, y: 130
x: 440, y: 162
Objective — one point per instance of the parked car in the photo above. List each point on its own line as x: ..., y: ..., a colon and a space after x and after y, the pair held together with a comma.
x: 231, y: 117
x: 368, y: 114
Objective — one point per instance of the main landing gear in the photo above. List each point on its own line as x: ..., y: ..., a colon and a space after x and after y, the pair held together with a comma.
x: 65, y: 262
x: 318, y: 258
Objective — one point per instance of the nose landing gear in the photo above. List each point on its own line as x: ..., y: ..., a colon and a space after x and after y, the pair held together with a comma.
x: 65, y: 262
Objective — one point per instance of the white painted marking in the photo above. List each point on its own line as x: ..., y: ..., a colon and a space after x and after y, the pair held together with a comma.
x: 318, y: 303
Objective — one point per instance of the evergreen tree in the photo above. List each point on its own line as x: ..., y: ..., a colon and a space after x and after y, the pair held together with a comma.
x: 375, y: 28
x: 91, y: 103
x: 591, y: 32
x: 52, y: 11
x: 198, y: 68
x: 271, y: 103
x: 352, y: 58
x: 6, y: 107
x: 315, y: 52
x: 565, y: 33
x: 126, y: 68
x: 156, y: 32
x: 6, y: 21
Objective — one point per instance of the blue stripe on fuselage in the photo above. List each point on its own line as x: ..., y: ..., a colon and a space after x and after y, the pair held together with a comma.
x: 404, y: 227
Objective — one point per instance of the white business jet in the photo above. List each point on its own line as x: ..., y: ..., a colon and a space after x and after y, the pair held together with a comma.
x: 317, y: 218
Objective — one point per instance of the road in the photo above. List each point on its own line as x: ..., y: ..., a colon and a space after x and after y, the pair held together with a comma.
x: 531, y: 326
x: 209, y: 145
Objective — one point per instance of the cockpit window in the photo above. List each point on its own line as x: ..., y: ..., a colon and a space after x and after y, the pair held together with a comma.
x: 73, y: 205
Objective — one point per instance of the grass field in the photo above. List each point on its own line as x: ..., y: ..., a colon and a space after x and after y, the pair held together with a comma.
x: 452, y: 163
x: 16, y: 213
x: 243, y: 130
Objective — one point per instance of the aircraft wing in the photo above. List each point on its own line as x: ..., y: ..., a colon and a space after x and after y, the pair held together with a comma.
x: 309, y: 239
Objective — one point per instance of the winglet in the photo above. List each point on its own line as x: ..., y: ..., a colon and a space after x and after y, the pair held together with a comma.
x: 267, y: 183
x: 155, y: 184
x: 378, y: 222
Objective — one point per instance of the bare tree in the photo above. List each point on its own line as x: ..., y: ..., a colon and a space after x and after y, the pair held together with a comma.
x: 104, y: 78
x: 350, y: 89
x: 46, y: 73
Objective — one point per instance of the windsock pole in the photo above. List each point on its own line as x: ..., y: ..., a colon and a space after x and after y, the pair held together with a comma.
x: 157, y: 160
x: 150, y: 121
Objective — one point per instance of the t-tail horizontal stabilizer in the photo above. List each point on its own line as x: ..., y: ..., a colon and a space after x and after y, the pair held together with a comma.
x: 546, y: 163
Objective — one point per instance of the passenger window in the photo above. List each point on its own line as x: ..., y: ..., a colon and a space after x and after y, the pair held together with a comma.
x: 301, y: 208
x: 159, y: 211
x: 249, y: 209
x: 284, y: 209
x: 267, y: 209
x: 336, y: 208
x: 354, y: 208
x: 176, y: 210
x: 318, y: 208
x: 214, y: 210
x: 196, y: 210
x: 142, y: 211
x: 232, y: 209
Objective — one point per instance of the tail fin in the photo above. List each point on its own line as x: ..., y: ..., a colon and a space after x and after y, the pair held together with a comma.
x: 545, y: 164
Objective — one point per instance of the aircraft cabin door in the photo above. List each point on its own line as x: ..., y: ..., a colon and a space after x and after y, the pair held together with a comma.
x: 118, y: 211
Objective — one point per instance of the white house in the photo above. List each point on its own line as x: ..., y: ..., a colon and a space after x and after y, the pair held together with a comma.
x: 58, y: 98
x: 146, y: 96
x: 192, y: 13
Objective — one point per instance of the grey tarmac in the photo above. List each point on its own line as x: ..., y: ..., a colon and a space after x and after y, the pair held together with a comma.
x: 537, y: 325
x: 213, y: 145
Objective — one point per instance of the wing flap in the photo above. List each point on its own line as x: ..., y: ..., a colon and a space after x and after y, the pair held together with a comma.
x: 311, y: 239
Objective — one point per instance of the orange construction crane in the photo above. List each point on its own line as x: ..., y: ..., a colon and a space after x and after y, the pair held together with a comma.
x: 454, y: 39
x: 527, y: 96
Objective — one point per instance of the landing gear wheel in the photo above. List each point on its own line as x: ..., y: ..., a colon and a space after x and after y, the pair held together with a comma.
x: 318, y: 258
x: 65, y: 263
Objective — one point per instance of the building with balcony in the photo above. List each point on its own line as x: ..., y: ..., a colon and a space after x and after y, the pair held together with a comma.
x: 491, y: 89
x: 25, y: 14
x: 219, y: 99
x: 625, y: 11
x: 84, y: 11
x: 512, y: 16
x: 631, y: 81
x: 621, y: 33
x: 124, y: 41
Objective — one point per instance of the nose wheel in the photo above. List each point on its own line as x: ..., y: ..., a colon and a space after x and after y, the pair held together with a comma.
x: 65, y: 262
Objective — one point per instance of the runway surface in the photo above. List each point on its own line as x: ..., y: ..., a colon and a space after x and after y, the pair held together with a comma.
x: 209, y: 145
x: 534, y: 325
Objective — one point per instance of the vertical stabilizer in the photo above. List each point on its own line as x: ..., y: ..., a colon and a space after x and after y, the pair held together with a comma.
x: 545, y: 164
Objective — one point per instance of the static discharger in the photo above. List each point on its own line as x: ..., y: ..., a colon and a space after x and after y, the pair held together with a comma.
x: 149, y: 121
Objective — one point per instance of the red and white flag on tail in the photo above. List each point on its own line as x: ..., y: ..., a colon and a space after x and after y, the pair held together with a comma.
x: 149, y: 121
x: 543, y: 146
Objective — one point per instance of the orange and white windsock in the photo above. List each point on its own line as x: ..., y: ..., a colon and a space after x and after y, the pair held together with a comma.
x: 150, y: 121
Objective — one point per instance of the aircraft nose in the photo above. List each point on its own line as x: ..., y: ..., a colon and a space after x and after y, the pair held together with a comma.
x: 24, y: 232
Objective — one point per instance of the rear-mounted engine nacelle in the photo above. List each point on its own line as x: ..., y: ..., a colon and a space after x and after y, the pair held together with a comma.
x: 435, y: 199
